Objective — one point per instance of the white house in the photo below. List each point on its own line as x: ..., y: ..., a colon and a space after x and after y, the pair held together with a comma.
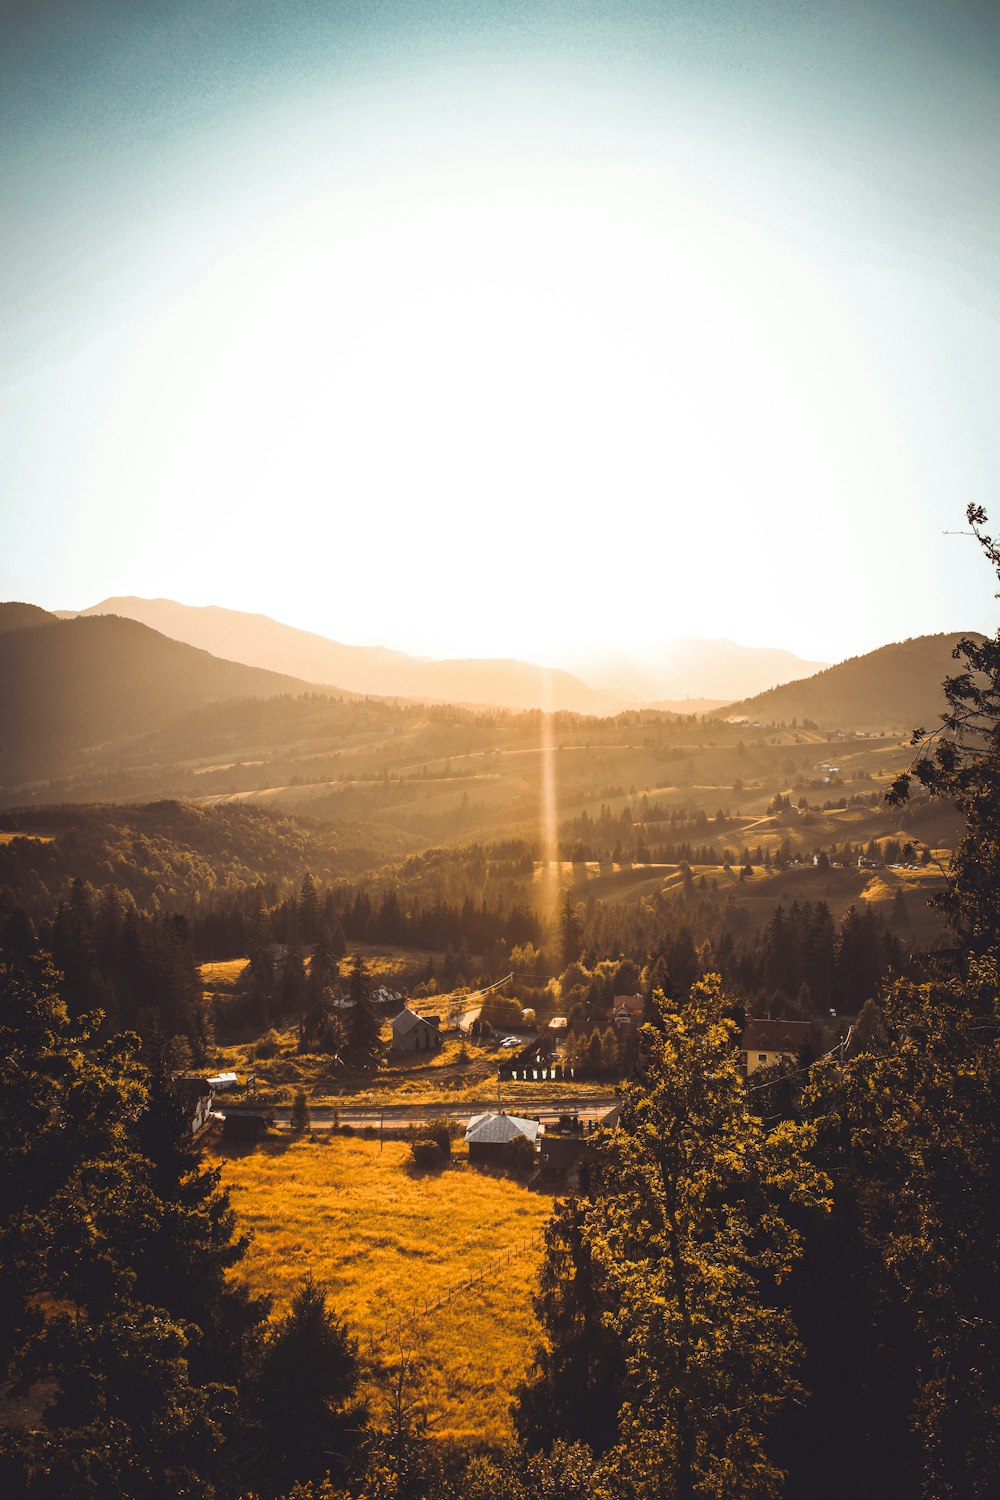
x: 413, y: 1033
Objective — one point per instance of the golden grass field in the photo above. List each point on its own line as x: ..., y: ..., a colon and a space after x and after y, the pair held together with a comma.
x: 386, y: 1241
x: 222, y: 974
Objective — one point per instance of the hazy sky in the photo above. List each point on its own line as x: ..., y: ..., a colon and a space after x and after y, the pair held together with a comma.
x: 501, y: 328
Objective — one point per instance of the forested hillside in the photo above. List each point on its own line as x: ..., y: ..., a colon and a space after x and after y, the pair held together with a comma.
x: 76, y: 687
x: 896, y: 688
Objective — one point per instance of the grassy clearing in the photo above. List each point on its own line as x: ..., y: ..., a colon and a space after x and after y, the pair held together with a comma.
x: 387, y: 1241
x: 223, y: 975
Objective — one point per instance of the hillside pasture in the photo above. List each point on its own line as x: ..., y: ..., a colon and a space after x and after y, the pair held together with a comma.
x: 388, y: 1242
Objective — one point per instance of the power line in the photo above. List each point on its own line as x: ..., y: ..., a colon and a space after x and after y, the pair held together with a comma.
x: 840, y: 1047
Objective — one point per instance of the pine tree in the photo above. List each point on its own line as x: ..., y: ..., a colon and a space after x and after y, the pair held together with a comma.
x: 919, y: 1104
x: 574, y: 1388
x: 570, y: 932
x: 309, y: 916
x: 307, y: 1419
x: 110, y: 1223
x: 363, y: 1046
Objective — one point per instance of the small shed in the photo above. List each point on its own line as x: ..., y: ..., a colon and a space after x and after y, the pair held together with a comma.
x: 414, y: 1033
x: 766, y: 1042
x: 222, y: 1081
x: 490, y: 1135
x: 244, y: 1122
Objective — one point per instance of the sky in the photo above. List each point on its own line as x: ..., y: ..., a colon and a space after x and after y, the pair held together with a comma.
x: 504, y: 329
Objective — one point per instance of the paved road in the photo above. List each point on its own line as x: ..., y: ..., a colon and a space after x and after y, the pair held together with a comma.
x: 590, y: 1108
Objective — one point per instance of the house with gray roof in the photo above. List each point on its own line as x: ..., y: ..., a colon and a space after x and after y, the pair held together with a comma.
x: 489, y: 1136
x: 414, y: 1033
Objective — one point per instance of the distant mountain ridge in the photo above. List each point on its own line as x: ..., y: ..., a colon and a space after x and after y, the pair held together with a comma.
x: 689, y: 675
x: 662, y: 675
x: 896, y: 687
x: 260, y: 641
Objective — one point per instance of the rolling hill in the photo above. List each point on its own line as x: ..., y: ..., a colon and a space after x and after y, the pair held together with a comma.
x: 897, y: 687
x: 259, y: 641
x: 71, y: 685
x: 16, y: 616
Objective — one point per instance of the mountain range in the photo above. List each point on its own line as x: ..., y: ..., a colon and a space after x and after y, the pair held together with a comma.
x: 688, y: 675
x: 99, y: 700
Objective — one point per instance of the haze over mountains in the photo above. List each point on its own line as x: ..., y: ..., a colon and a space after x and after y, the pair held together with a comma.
x: 689, y: 667
x: 688, y: 675
x: 100, y: 706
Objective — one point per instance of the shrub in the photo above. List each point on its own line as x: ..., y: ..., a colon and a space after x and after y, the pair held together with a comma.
x: 425, y: 1152
x: 269, y: 1045
x: 443, y: 1131
x: 301, y: 1118
x: 430, y: 1143
x: 521, y: 1156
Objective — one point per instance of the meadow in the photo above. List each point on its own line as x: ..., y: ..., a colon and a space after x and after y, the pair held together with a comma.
x: 389, y: 1243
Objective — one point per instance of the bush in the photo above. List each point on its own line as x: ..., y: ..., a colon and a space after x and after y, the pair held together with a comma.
x: 443, y: 1131
x: 437, y: 1134
x: 521, y: 1156
x: 500, y: 1013
x: 301, y: 1118
x: 425, y: 1152
x: 269, y: 1045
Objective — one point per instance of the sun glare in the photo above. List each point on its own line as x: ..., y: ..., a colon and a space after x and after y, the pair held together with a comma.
x: 550, y: 813
x: 494, y: 360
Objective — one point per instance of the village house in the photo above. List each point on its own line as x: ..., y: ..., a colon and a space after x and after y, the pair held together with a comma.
x: 414, y: 1033
x: 766, y: 1042
x: 627, y: 1010
x: 384, y: 997
x: 490, y: 1136
x: 195, y: 1095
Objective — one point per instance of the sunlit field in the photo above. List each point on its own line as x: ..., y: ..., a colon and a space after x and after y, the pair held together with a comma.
x: 222, y: 974
x: 389, y: 1242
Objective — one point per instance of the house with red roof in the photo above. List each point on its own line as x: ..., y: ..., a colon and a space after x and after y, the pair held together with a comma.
x: 766, y: 1042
